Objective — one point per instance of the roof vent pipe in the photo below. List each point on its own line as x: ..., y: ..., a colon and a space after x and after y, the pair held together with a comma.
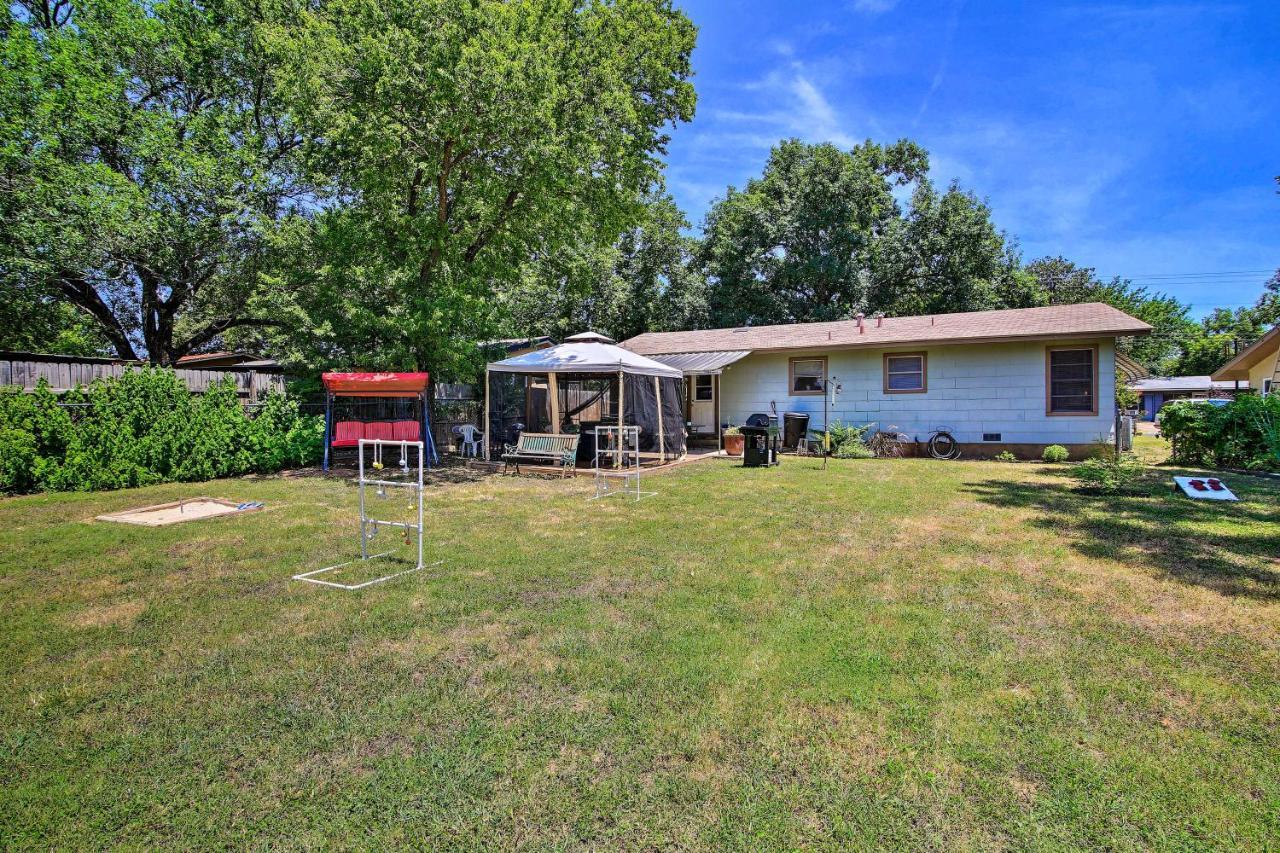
x: 879, y: 315
x: 861, y: 317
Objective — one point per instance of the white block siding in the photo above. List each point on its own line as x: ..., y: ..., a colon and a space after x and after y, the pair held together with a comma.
x: 972, y: 389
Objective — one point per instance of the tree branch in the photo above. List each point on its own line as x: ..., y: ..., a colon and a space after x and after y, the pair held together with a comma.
x: 216, y: 327
x: 83, y: 296
x: 483, y: 238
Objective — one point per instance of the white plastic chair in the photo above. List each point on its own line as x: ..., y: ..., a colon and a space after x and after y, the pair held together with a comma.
x: 471, y: 439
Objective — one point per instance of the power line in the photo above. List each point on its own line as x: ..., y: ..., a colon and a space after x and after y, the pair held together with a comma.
x: 1193, y: 275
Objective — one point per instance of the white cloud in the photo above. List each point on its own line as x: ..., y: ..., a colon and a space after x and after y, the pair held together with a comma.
x: 801, y: 109
x: 782, y: 47
x: 818, y: 114
x: 938, y: 76
x: 873, y: 7
x: 1040, y: 181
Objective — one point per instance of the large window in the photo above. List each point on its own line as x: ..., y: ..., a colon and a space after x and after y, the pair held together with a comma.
x: 702, y: 388
x: 905, y: 373
x: 808, y: 376
x: 1072, y: 381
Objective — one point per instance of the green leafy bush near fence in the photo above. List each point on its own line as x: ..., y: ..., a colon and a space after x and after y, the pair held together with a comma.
x: 1245, y: 433
x: 145, y: 427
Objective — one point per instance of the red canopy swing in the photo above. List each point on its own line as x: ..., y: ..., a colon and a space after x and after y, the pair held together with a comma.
x: 377, y: 385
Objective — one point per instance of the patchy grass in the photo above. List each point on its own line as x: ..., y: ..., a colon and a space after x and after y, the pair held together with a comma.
x: 890, y: 653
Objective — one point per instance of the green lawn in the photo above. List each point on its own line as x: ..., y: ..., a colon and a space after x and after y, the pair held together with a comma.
x: 888, y: 653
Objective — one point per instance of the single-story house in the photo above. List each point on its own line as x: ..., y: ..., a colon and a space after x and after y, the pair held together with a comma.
x: 1258, y: 363
x: 1016, y: 380
x: 1155, y: 391
x: 508, y: 347
x: 223, y: 359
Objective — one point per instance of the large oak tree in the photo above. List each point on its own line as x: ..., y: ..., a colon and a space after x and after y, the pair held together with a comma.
x: 458, y: 139
x: 143, y: 162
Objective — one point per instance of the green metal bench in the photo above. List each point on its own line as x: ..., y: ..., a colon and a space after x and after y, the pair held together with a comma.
x: 543, y: 448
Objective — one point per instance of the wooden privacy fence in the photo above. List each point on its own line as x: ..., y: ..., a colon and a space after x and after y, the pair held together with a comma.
x: 66, y: 372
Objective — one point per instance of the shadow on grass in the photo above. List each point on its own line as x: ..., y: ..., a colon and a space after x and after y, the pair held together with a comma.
x: 1232, y: 548
x: 448, y: 471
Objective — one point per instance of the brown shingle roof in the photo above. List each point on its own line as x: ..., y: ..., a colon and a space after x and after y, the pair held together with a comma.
x: 1238, y: 367
x: 1092, y: 319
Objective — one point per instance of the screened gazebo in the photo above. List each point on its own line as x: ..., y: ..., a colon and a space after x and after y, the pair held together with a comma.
x: 585, y: 382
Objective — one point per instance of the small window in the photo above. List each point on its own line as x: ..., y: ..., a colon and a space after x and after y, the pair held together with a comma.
x: 1073, y: 381
x: 702, y: 388
x: 905, y: 373
x: 1266, y: 387
x: 808, y: 375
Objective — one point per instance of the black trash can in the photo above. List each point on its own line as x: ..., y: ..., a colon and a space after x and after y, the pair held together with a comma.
x: 795, y: 426
x: 760, y: 446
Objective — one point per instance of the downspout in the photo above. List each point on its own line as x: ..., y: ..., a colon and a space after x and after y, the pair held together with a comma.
x: 488, y: 422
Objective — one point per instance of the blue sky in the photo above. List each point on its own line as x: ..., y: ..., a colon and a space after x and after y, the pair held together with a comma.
x: 1142, y: 139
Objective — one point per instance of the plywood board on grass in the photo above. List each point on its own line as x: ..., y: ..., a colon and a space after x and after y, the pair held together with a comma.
x: 191, y: 509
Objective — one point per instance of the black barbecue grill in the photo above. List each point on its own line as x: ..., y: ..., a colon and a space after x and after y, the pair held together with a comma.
x: 760, y: 446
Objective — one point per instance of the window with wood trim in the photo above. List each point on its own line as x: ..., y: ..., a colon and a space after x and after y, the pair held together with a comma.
x: 1071, y: 379
x: 702, y: 387
x: 807, y: 376
x: 906, y: 373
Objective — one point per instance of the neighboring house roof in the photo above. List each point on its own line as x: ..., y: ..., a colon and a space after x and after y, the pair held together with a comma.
x: 1092, y: 319
x: 195, y: 358
x: 517, y: 344
x: 1177, y: 384
x: 221, y: 359
x: 1238, y: 367
x: 702, y: 362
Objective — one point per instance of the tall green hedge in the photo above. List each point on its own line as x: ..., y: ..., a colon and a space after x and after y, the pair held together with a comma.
x: 1245, y: 433
x: 145, y: 427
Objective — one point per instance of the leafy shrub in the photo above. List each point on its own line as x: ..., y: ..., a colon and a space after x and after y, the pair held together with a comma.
x: 1005, y: 456
x: 733, y: 430
x: 1110, y: 473
x: 1126, y: 398
x: 1055, y: 453
x: 848, y: 441
x: 1245, y: 433
x: 842, y: 433
x: 853, y: 449
x: 18, y: 454
x: 145, y: 427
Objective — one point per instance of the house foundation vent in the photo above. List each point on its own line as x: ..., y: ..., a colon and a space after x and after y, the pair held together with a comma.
x: 991, y: 436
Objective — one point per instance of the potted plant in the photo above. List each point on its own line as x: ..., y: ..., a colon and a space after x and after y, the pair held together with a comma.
x: 734, y: 442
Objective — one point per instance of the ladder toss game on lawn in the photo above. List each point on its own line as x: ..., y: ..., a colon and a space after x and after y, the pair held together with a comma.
x: 370, y: 526
x: 620, y: 447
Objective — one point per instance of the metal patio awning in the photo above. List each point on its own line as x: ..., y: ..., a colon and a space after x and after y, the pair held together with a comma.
x: 702, y: 362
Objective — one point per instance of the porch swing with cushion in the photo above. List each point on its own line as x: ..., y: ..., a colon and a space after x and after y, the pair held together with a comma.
x: 369, y: 386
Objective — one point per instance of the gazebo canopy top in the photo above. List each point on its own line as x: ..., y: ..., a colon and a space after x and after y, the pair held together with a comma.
x: 375, y: 384
x: 590, y: 356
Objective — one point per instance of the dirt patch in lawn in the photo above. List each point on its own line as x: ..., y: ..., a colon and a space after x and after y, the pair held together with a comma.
x: 121, y: 615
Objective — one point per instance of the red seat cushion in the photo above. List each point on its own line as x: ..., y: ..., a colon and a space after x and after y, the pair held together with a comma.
x: 348, y: 433
x: 406, y: 430
x: 378, y: 429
